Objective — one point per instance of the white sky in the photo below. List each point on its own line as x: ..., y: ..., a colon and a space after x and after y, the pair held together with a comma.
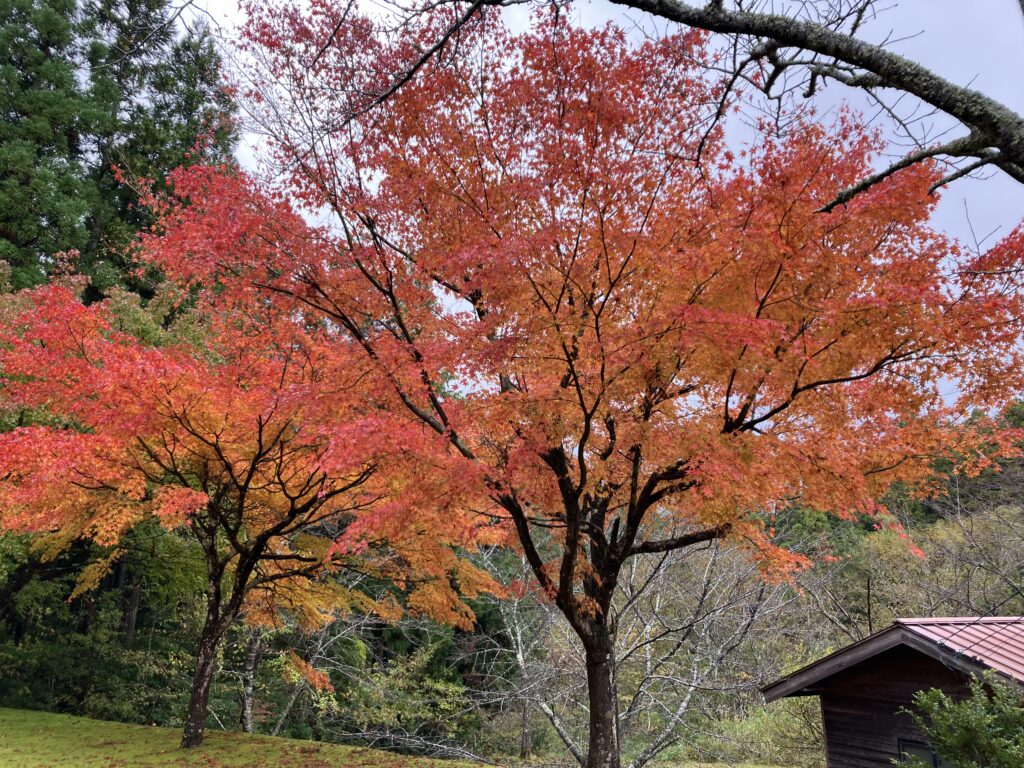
x: 977, y: 42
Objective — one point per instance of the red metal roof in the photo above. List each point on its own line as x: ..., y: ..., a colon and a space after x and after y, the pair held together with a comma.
x: 996, y: 642
x: 967, y: 643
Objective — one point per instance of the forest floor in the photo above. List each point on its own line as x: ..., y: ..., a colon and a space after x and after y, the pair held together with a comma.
x: 43, y: 740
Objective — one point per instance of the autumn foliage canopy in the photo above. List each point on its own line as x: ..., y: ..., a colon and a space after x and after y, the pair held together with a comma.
x: 623, y: 328
x: 237, y: 437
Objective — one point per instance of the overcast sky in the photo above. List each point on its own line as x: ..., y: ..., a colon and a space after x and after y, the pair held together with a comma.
x: 977, y: 42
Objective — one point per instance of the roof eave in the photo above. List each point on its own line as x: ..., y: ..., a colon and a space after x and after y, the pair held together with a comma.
x: 799, y: 683
x: 834, y: 663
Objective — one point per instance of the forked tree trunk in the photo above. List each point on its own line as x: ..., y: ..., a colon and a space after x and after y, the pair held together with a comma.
x: 195, y: 716
x: 220, y: 614
x: 603, y: 746
x: 223, y: 606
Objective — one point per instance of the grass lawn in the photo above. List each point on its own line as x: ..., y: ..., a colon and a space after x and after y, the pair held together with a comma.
x: 41, y: 740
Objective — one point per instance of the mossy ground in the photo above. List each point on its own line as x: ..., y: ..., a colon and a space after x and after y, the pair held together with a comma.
x: 43, y: 740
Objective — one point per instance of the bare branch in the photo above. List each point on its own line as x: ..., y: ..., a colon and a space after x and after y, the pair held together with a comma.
x: 958, y: 147
x: 679, y: 542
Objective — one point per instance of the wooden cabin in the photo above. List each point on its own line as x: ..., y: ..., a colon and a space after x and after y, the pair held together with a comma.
x: 864, y: 686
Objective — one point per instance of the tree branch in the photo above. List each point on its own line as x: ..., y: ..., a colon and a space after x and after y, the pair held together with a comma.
x: 958, y: 147
x: 679, y: 542
x: 1001, y: 127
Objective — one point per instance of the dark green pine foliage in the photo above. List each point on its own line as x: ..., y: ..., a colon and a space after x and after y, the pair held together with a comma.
x: 157, y: 102
x: 43, y: 195
x: 87, y: 87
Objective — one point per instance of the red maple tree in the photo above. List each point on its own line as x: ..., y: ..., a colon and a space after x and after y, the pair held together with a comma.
x: 634, y: 338
x: 256, y: 442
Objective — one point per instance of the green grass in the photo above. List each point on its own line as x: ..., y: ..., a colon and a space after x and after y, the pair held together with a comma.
x: 43, y: 740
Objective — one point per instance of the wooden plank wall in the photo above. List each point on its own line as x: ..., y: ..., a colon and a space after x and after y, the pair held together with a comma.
x: 860, y: 707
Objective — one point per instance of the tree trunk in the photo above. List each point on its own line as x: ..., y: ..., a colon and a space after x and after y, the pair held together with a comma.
x: 524, y: 734
x: 195, y: 717
x: 131, y: 612
x: 252, y: 653
x: 299, y: 688
x: 603, y: 747
x: 219, y: 616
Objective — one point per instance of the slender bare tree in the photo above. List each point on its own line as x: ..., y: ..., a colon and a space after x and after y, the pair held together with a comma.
x: 687, y: 626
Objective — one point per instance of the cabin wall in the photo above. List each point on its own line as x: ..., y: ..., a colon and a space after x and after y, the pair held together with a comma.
x: 860, y: 707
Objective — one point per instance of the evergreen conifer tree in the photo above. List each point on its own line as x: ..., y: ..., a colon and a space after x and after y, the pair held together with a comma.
x: 43, y: 195
x: 85, y: 88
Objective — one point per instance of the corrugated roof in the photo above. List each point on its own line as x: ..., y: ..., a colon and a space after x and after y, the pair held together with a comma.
x: 963, y: 642
x: 996, y: 642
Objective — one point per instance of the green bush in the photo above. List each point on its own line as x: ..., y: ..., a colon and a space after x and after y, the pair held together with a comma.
x: 985, y: 730
x: 785, y: 733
